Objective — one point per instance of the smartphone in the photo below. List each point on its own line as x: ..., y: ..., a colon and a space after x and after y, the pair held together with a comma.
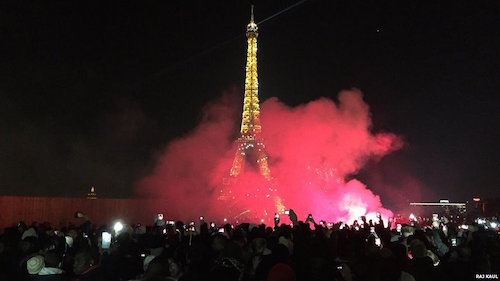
x: 171, y: 222
x: 453, y: 242
x: 276, y: 216
x: 191, y: 228
x: 164, y: 231
x: 143, y: 255
x: 221, y: 230
x: 225, y: 220
x: 160, y: 216
x: 287, y: 212
x: 201, y: 218
x: 377, y: 242
x: 191, y: 223
x: 435, y: 217
x: 398, y: 227
x: 212, y: 224
x: 105, y: 240
x: 372, y: 229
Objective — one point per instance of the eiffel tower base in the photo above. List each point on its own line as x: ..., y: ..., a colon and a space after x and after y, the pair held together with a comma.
x: 255, y: 207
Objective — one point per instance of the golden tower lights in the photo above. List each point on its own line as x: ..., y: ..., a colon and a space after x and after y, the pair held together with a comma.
x: 250, y: 140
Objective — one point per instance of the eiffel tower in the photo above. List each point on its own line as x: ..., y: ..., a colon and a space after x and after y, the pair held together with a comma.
x: 250, y: 149
x: 250, y: 140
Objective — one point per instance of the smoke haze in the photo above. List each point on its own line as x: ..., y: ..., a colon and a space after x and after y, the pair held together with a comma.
x: 313, y: 150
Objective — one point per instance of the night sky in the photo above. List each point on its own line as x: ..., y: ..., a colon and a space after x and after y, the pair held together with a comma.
x: 90, y: 93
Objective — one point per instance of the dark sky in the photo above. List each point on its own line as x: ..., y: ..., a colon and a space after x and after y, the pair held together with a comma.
x: 90, y: 93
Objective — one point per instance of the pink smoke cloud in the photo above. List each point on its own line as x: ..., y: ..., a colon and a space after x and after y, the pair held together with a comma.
x: 312, y: 149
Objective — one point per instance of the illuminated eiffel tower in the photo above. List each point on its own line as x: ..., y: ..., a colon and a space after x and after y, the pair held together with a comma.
x: 250, y: 141
x: 260, y: 201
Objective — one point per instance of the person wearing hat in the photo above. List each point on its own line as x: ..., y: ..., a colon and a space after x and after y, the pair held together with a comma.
x: 52, y: 270
x: 30, y: 232
x: 45, y: 268
x: 35, y: 264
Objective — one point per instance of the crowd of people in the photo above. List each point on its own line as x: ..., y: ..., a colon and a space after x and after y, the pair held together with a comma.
x: 421, y: 250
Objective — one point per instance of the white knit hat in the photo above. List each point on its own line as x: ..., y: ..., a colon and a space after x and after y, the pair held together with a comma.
x: 35, y: 264
x: 30, y: 232
x: 147, y: 261
x: 69, y: 240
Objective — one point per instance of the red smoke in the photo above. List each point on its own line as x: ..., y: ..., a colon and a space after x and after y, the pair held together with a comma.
x: 312, y: 149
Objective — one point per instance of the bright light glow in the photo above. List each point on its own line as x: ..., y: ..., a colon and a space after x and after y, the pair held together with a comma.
x: 464, y: 226
x: 493, y: 224
x: 412, y: 217
x: 118, y: 227
x: 476, y: 199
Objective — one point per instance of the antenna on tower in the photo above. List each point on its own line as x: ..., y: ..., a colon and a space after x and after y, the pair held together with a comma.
x: 251, y: 13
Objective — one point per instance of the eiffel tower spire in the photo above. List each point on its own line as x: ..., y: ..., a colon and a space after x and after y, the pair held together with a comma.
x: 250, y: 140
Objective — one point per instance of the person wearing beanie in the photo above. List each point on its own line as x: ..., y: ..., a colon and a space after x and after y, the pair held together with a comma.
x: 30, y: 232
x: 52, y: 270
x: 69, y: 241
x: 35, y: 264
x: 147, y: 261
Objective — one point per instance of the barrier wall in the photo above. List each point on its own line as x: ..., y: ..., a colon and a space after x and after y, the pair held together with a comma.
x: 57, y: 211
